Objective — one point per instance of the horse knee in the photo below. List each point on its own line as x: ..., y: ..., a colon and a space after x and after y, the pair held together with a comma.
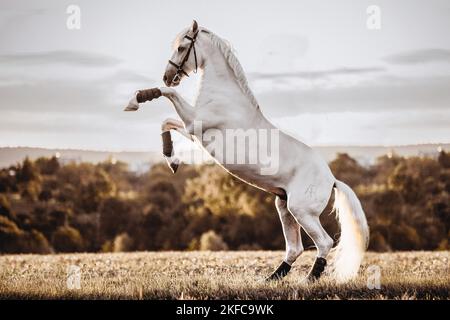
x: 165, y: 125
x: 168, y: 124
x: 167, y: 92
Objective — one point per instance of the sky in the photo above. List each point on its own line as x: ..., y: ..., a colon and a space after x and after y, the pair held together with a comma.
x: 318, y: 72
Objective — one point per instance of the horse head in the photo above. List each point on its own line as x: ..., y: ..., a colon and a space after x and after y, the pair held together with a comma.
x: 187, y: 56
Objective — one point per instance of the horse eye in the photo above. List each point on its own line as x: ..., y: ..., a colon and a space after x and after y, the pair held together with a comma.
x: 180, y: 49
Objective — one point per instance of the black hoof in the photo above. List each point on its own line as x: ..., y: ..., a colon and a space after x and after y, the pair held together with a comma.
x: 317, y: 269
x: 174, y: 166
x: 280, y: 273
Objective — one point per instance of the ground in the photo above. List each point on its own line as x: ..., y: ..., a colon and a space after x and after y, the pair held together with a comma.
x: 217, y: 275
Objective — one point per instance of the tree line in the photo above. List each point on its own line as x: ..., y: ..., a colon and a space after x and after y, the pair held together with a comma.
x: 49, y: 207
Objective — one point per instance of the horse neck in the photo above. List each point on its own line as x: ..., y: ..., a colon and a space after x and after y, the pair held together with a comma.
x: 219, y: 83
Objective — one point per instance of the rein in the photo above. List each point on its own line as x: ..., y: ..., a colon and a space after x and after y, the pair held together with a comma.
x: 180, y: 66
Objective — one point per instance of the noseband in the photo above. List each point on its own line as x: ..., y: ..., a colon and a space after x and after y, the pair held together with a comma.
x: 186, y: 57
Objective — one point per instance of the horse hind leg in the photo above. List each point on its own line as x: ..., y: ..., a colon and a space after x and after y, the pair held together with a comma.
x: 292, y: 236
x: 308, y: 218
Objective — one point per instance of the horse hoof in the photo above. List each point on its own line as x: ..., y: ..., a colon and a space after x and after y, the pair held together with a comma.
x: 316, y: 270
x: 174, y: 165
x: 280, y: 273
x: 133, y: 105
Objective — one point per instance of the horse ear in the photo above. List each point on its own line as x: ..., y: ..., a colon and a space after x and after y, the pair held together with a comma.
x: 194, y: 26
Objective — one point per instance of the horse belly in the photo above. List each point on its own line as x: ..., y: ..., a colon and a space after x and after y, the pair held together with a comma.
x: 256, y: 162
x: 251, y: 174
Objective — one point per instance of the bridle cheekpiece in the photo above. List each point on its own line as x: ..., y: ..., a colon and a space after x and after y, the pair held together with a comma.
x: 180, y: 66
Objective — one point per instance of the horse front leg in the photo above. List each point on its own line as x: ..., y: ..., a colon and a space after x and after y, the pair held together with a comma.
x: 142, y: 96
x: 168, y: 152
x: 183, y: 108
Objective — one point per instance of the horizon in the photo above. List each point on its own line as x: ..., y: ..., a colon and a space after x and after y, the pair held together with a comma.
x: 140, y: 160
x: 438, y: 144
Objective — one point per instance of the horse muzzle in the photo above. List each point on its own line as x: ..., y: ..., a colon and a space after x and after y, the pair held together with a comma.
x: 171, y: 78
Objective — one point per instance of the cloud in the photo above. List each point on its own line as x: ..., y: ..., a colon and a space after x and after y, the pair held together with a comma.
x: 381, y: 94
x: 102, y: 95
x: 67, y: 57
x: 74, y: 112
x: 419, y: 57
x: 314, y: 74
x: 124, y: 75
x: 418, y: 120
x: 385, y: 127
x: 11, y: 16
x: 124, y: 132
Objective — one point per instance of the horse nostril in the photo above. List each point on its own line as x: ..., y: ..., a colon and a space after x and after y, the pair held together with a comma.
x: 165, y: 78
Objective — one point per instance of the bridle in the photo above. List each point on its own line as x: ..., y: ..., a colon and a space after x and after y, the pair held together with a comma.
x: 186, y: 57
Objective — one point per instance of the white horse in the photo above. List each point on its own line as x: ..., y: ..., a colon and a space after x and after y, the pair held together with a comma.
x: 302, y: 182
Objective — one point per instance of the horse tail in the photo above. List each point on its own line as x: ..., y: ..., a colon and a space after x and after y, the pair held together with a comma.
x: 354, y: 233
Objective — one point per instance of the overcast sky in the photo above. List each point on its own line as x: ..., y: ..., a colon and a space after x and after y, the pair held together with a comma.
x: 316, y: 69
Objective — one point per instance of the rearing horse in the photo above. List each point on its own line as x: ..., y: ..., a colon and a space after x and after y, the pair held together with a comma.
x: 302, y: 183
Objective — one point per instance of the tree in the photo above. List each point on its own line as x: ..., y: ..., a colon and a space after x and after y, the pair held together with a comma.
x: 48, y: 166
x: 10, y: 236
x: 406, y: 184
x: 238, y: 212
x: 94, y: 191
x: 115, y: 217
x: 149, y: 227
x: 404, y: 237
x: 35, y: 242
x: 8, y: 182
x: 27, y: 171
x: 82, y: 206
x: 444, y: 159
x: 388, y: 204
x: 122, y: 243
x: 5, y: 208
x: 212, y: 241
x: 15, y: 240
x: 378, y: 242
x: 67, y: 239
x: 347, y: 169
x: 31, y: 191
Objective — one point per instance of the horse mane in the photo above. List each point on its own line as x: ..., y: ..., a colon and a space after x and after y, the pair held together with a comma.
x: 227, y: 51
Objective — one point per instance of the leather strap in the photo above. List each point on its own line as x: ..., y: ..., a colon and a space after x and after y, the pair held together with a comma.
x: 167, y: 143
x: 148, y: 95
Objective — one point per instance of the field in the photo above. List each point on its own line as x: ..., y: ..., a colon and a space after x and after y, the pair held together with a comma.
x: 216, y: 275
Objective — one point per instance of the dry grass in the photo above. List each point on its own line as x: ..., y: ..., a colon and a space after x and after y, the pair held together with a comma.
x: 215, y: 275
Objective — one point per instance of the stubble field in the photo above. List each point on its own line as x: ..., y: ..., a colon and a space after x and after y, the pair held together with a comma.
x: 216, y: 275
